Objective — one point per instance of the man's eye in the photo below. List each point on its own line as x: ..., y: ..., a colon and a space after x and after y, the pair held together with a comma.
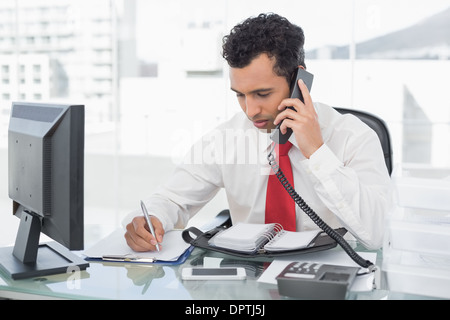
x: 239, y: 95
x: 262, y: 95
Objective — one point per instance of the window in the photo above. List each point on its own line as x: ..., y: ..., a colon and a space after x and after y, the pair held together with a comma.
x: 136, y: 64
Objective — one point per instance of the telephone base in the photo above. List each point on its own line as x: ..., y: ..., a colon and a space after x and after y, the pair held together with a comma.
x: 314, y: 281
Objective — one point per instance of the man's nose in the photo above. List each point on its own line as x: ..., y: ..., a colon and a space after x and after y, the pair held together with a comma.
x: 251, y: 107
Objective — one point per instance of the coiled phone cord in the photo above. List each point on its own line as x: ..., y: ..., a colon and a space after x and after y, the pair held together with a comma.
x: 314, y: 217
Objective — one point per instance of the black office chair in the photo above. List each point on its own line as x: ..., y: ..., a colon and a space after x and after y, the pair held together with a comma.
x: 380, y: 127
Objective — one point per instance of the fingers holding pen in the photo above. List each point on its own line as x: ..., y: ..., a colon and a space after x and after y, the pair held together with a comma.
x: 159, y: 230
x: 138, y: 234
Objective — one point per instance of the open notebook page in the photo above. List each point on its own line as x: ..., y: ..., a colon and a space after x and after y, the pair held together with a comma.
x: 243, y: 236
x: 289, y: 240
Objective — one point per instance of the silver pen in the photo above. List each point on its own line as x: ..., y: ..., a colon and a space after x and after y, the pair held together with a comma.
x: 147, y: 218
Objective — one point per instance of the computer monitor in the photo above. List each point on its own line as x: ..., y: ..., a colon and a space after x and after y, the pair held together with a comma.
x: 46, y: 184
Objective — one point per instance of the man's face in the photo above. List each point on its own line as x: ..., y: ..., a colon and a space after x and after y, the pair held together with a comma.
x: 259, y: 91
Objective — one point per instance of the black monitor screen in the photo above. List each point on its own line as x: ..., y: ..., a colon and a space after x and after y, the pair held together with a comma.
x: 46, y: 182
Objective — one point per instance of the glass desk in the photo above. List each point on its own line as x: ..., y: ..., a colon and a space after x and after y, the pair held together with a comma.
x: 128, y: 281
x: 111, y: 280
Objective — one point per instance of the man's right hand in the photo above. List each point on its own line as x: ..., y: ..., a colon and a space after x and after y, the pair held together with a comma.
x: 138, y: 234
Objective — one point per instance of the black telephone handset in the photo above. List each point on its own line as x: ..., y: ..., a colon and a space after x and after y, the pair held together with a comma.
x: 307, y: 78
x: 279, y: 138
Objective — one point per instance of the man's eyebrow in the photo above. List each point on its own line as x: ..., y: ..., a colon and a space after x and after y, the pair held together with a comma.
x: 253, y: 91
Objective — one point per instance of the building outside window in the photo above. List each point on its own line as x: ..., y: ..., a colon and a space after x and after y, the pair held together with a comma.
x: 124, y: 59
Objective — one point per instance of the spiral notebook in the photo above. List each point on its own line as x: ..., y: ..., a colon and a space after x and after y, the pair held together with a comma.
x: 249, y: 238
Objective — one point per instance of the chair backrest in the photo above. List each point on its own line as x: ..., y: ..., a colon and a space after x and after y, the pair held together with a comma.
x: 380, y: 127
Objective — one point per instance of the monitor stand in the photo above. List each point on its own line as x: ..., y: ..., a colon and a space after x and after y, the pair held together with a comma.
x: 29, y: 259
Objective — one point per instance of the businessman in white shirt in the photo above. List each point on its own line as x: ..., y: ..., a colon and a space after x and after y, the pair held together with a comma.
x: 337, y: 161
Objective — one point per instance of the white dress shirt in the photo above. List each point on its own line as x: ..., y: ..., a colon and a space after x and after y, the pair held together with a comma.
x: 345, y: 181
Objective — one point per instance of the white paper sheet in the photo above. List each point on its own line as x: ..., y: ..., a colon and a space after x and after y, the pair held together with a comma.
x: 172, y: 248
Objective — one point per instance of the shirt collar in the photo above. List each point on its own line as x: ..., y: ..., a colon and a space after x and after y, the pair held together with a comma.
x: 267, y: 142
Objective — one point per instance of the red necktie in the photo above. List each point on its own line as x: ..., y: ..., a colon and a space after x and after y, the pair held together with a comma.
x: 280, y: 207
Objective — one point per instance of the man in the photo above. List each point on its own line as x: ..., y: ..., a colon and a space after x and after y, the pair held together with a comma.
x: 337, y: 161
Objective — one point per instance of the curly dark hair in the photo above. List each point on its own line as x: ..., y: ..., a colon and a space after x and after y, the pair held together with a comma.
x: 270, y: 34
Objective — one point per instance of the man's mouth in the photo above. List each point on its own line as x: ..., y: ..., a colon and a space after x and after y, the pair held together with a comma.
x: 260, y: 124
